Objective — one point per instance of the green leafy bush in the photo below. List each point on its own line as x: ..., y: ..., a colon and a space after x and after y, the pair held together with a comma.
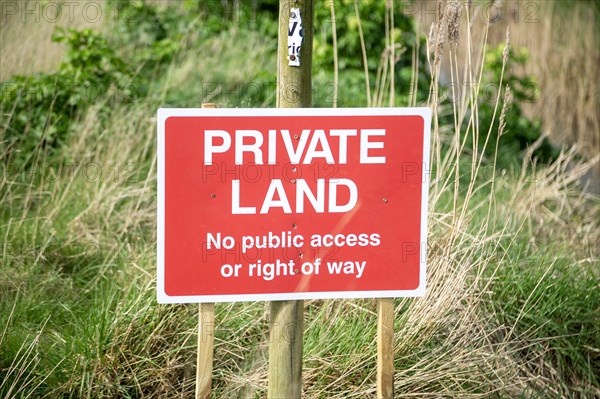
x: 150, y: 35
x: 37, y: 111
x: 371, y: 18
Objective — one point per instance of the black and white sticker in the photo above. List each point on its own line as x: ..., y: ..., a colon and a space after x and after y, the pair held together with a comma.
x: 295, y: 37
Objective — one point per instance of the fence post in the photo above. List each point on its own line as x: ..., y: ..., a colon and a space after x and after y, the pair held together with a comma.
x: 385, y: 348
x: 294, y: 90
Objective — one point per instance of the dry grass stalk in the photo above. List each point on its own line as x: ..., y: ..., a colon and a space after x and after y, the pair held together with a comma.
x: 471, y: 347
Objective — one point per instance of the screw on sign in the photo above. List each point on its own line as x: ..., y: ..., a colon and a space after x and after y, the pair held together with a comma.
x: 249, y: 212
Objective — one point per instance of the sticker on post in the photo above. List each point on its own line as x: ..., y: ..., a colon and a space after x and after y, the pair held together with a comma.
x: 295, y: 37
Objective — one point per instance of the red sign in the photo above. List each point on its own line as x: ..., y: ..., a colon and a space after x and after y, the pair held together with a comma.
x: 274, y: 204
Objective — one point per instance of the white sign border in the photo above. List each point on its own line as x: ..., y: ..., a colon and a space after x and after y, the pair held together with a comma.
x: 164, y: 113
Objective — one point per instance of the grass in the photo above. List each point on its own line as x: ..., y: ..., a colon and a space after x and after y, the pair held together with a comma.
x: 579, y: 124
x: 513, y: 287
x: 27, y: 28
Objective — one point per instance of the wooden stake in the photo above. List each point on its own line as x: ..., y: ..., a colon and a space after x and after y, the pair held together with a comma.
x: 285, y: 349
x: 286, y: 323
x: 206, y: 338
x: 204, y: 363
x: 385, y: 348
x: 294, y: 84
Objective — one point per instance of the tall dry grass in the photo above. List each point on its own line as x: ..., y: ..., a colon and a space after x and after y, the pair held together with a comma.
x: 451, y: 343
x: 468, y: 250
x: 26, y: 28
x: 563, y: 42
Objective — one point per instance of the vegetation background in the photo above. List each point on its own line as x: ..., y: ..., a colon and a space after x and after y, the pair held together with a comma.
x: 513, y: 302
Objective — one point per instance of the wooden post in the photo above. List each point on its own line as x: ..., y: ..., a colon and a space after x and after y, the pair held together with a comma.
x: 206, y: 338
x: 285, y: 350
x: 204, y: 363
x: 294, y: 84
x: 385, y: 348
x: 294, y: 90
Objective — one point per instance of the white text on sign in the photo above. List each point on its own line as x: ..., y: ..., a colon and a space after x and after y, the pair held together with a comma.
x: 311, y: 146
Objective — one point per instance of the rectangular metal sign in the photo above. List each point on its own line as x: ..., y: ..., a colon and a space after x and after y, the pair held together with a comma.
x: 279, y: 204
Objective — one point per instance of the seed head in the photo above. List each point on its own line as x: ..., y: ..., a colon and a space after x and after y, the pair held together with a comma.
x: 431, y: 38
x: 507, y: 101
x: 508, y: 96
x: 453, y: 14
x: 440, y: 10
x: 440, y: 41
x: 440, y: 34
x: 506, y: 47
